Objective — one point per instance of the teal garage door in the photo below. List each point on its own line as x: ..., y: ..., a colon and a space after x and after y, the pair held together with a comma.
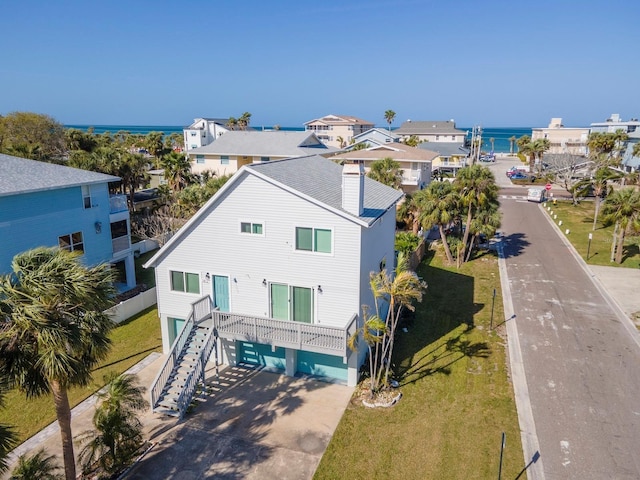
x: 322, y: 365
x: 262, y: 355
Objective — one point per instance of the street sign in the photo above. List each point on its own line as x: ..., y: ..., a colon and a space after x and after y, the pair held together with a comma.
x: 548, y: 186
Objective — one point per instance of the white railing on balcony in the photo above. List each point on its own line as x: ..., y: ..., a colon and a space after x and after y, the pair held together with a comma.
x: 120, y: 244
x: 284, y: 333
x: 411, y: 178
x: 118, y: 203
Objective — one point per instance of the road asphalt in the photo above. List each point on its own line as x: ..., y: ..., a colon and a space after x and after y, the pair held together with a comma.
x: 573, y: 349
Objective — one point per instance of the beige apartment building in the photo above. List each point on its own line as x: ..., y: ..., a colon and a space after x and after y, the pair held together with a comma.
x: 570, y: 140
x: 337, y: 130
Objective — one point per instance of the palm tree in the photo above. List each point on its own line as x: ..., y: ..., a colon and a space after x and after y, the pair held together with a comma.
x: 232, y: 123
x: 341, y: 142
x: 622, y: 207
x: 398, y: 291
x: 486, y: 221
x: 389, y: 116
x: 599, y: 185
x: 117, y: 433
x: 53, y: 329
x: 512, y: 141
x: 7, y: 432
x: 412, y: 141
x: 395, y: 291
x: 386, y: 171
x: 40, y: 466
x: 492, y: 141
x: 477, y: 188
x: 372, y: 332
x: 177, y: 170
x: 408, y: 212
x: 438, y: 206
x: 539, y: 147
x: 133, y: 172
x: 243, y: 121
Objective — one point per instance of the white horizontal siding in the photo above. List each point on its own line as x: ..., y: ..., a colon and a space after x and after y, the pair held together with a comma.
x: 217, y: 247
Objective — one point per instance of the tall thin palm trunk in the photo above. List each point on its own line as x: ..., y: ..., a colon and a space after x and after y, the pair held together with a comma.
x: 614, y: 242
x: 445, y: 244
x: 63, y: 414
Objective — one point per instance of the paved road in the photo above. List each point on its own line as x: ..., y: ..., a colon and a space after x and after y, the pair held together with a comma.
x: 580, y: 355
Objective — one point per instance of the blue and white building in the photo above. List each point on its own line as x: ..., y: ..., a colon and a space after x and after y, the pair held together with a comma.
x: 46, y: 205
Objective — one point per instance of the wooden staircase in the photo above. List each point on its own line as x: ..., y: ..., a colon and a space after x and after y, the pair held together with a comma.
x: 176, y: 383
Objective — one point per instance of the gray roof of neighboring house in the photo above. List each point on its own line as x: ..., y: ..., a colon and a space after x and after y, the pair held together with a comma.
x: 445, y: 149
x: 20, y: 175
x: 383, y: 132
x: 313, y: 177
x: 265, y: 144
x: 435, y: 127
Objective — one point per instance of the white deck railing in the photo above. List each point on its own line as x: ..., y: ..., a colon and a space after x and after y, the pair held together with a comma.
x: 284, y: 333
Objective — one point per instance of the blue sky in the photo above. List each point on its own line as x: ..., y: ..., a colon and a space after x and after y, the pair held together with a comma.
x: 494, y: 63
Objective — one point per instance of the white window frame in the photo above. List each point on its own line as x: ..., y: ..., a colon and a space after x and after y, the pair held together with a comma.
x: 87, y: 201
x: 313, y: 251
x: 184, y: 279
x: 72, y: 246
x: 252, y: 223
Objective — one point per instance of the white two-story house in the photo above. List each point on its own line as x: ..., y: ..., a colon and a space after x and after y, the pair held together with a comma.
x: 277, y: 265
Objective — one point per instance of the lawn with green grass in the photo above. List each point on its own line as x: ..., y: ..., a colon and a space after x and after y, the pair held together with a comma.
x: 579, y: 220
x: 457, y: 398
x: 132, y: 341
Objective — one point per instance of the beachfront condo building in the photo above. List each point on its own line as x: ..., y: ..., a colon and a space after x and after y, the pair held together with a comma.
x: 563, y: 140
x: 337, y: 130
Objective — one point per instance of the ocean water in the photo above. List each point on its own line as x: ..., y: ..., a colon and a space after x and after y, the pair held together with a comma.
x: 501, y: 135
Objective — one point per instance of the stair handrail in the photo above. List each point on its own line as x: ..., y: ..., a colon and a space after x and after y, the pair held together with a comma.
x: 196, y: 374
x: 165, y: 372
x: 178, y: 344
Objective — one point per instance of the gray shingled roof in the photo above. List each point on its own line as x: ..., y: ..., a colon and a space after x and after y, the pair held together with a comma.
x: 428, y: 128
x: 445, y: 149
x: 321, y: 179
x: 264, y: 144
x: 19, y: 175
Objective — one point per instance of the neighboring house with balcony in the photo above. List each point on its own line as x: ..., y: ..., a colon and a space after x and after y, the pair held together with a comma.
x: 203, y: 131
x: 276, y: 264
x: 331, y: 128
x: 451, y: 157
x: 431, y: 131
x: 47, y: 205
x: 563, y: 140
x: 416, y: 163
x: 235, y: 149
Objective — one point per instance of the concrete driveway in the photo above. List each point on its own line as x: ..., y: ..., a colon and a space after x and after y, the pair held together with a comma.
x: 254, y: 424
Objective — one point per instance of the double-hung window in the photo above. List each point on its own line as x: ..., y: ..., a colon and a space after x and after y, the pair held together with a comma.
x: 200, y: 159
x: 224, y: 159
x: 185, y: 282
x: 313, y: 239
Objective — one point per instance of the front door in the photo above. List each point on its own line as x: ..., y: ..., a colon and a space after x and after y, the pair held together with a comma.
x: 221, y: 293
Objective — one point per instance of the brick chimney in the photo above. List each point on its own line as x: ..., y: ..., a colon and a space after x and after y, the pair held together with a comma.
x: 353, y: 188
